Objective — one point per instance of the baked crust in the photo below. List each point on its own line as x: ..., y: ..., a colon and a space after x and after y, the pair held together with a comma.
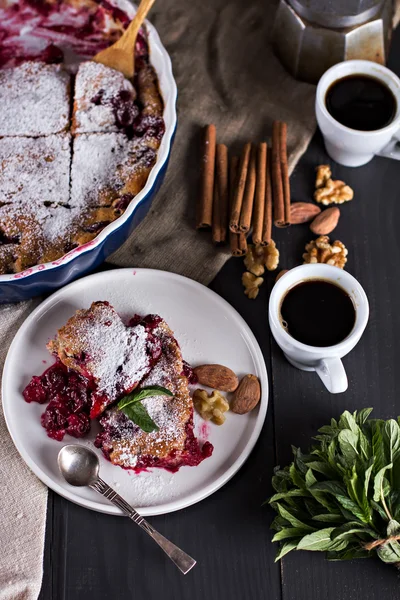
x: 123, y: 442
x: 115, y: 358
x: 110, y: 163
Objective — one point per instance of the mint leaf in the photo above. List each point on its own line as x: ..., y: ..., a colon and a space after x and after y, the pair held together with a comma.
x: 329, y: 518
x: 318, y: 540
x: 286, y: 547
x: 379, y: 486
x: 346, y: 530
x: 362, y: 415
x: 393, y: 527
x: 347, y: 421
x: 289, y: 532
x: 137, y: 413
x: 289, y: 494
x: 142, y: 393
x: 378, y: 447
x: 348, y: 441
x: 293, y: 520
x: 389, y: 553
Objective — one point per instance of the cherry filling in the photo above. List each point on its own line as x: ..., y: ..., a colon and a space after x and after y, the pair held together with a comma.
x: 149, y: 125
x: 192, y: 454
x: 125, y: 110
x: 73, y: 401
x: 5, y: 239
x: 188, y: 372
x: 68, y: 397
x: 124, y: 107
x: 84, y: 28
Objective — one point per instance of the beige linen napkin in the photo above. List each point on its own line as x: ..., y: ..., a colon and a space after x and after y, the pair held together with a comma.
x: 226, y: 74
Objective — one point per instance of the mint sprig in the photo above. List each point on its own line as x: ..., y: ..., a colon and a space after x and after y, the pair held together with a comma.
x: 133, y: 408
x: 343, y: 496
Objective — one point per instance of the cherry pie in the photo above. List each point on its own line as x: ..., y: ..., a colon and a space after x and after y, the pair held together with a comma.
x: 99, y: 361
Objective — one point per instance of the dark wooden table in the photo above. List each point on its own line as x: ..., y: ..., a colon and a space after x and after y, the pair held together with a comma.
x: 90, y: 556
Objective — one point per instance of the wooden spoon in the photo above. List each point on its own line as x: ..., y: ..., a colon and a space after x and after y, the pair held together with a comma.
x: 121, y: 55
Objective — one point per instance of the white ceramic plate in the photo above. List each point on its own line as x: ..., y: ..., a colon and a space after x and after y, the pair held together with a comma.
x: 208, y: 329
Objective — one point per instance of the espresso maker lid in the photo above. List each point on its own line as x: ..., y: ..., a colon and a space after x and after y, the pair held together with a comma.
x: 337, y: 13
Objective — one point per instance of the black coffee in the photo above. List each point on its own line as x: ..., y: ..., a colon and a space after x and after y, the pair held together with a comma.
x: 361, y: 102
x: 318, y: 313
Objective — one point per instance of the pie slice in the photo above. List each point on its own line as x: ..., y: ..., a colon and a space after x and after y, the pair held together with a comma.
x: 104, y: 100
x: 35, y: 215
x: 34, y: 100
x: 108, y: 171
x: 99, y: 361
x: 174, y: 444
x: 99, y: 346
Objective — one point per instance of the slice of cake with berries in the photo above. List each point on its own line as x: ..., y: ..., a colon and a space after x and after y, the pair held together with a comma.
x: 97, y: 344
x: 34, y: 100
x: 163, y: 436
x: 130, y: 376
x: 104, y: 100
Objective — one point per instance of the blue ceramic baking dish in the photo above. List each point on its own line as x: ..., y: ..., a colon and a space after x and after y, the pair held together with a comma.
x: 47, y: 277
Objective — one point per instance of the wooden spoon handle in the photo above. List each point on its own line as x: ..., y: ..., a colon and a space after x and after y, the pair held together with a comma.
x: 128, y: 39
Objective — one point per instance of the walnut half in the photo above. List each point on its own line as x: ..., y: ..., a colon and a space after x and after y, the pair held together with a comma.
x: 271, y: 255
x: 323, y: 174
x: 321, y: 251
x: 211, y: 408
x: 334, y: 192
x: 329, y: 191
x: 251, y: 284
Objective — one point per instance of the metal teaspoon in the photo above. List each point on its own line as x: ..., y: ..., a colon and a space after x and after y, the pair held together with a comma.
x: 80, y: 466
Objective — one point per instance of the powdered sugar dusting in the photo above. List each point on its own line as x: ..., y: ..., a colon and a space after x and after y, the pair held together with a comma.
x: 146, y: 488
x: 105, y: 162
x: 35, y: 172
x: 170, y: 414
x: 97, y: 89
x: 34, y: 100
x: 115, y: 355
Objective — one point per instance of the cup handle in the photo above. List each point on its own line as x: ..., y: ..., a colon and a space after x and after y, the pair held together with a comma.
x: 392, y: 149
x: 332, y: 374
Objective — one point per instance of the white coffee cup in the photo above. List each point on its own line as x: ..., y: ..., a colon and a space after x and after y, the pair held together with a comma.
x: 351, y: 147
x: 325, y: 361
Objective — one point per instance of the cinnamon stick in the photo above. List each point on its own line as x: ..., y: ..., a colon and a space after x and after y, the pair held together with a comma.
x: 280, y: 178
x: 239, y: 245
x: 260, y: 197
x: 205, y: 206
x: 221, y: 197
x: 285, y: 171
x: 267, y: 220
x: 248, y: 196
x: 239, y: 188
x: 237, y: 241
x: 216, y: 219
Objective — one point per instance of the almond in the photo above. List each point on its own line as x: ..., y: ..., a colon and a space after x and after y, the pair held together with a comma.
x: 326, y: 222
x: 217, y: 377
x: 247, y: 396
x: 302, y: 212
